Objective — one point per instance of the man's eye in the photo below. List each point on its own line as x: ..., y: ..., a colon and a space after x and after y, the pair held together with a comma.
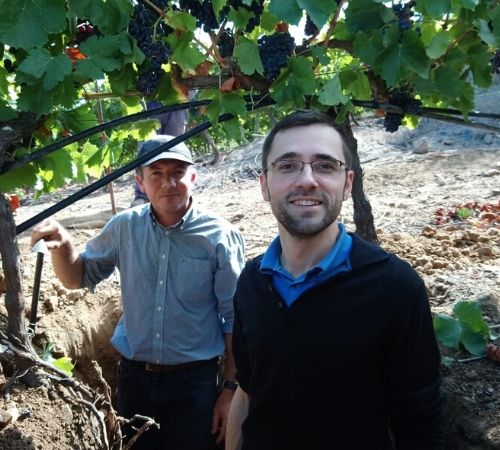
x: 179, y: 173
x: 326, y: 166
x: 287, y: 166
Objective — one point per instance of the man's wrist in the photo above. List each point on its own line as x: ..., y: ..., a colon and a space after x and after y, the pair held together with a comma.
x: 230, y: 385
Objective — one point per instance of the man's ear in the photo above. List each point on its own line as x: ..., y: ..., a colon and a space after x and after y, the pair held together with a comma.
x: 263, y: 188
x: 348, y: 184
x: 139, y: 181
x: 193, y: 174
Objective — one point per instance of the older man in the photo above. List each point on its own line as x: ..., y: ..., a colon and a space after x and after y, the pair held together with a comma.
x: 178, y: 269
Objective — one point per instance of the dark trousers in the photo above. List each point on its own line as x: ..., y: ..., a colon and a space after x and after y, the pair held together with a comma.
x: 180, y: 400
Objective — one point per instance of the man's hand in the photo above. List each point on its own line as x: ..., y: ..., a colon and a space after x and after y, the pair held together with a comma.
x: 221, y: 414
x: 53, y: 233
x: 66, y: 261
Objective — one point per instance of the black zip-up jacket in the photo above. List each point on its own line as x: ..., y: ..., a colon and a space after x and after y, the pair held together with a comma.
x: 352, y: 362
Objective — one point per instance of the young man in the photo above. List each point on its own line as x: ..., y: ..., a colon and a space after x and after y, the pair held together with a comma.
x: 333, y: 337
x: 178, y: 269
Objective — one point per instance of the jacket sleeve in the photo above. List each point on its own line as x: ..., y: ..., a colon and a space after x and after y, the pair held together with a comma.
x: 413, y: 377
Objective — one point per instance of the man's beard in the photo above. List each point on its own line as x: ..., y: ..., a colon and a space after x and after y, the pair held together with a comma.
x: 300, y: 225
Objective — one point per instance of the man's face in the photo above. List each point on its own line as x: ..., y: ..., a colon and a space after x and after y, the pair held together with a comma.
x: 168, y: 183
x: 308, y: 203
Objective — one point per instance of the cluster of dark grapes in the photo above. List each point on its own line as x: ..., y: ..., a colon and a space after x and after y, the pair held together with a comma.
x: 495, y: 62
x: 404, y: 15
x: 310, y: 28
x: 204, y: 13
x: 149, y: 34
x: 274, y: 51
x: 226, y: 43
x: 84, y: 30
x: 403, y: 98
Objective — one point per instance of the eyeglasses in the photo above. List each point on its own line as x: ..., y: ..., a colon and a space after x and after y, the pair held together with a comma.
x: 293, y: 168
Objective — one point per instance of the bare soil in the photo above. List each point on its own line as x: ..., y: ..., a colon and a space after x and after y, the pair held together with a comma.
x: 415, y: 181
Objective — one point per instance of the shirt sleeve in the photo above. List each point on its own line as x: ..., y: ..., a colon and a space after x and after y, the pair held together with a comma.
x: 413, y: 377
x: 240, y: 348
x: 230, y: 261
x: 99, y: 257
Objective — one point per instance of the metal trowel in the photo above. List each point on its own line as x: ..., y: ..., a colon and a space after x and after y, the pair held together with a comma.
x: 41, y: 250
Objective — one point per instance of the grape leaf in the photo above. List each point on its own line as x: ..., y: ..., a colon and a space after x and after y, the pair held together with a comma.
x: 469, y: 4
x: 239, y: 17
x: 318, y: 10
x: 184, y: 52
x: 479, y: 58
x: 296, y: 82
x: 401, y: 60
x: 41, y: 65
x: 469, y: 313
x: 448, y: 81
x: 364, y: 16
x: 473, y: 342
x: 355, y: 81
x: 79, y: 119
x: 247, y: 54
x: 438, y: 45
x: 288, y: 11
x: 331, y: 94
x: 6, y: 112
x: 111, y: 16
x: 437, y: 8
x: 181, y: 21
x: 122, y: 80
x: 268, y: 21
x: 28, y: 23
x: 367, y: 48
x: 34, y: 98
x: 485, y: 33
x: 102, y: 54
x: 448, y: 330
x: 22, y: 177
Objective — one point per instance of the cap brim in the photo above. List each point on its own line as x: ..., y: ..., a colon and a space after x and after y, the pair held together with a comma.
x: 168, y: 155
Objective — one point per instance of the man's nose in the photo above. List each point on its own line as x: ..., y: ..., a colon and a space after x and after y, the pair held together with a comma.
x: 307, y: 177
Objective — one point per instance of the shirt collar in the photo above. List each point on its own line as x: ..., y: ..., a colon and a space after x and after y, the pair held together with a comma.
x: 179, y: 225
x: 337, y: 254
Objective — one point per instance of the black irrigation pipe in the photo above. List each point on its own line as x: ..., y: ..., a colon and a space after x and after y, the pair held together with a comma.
x: 434, y: 113
x: 104, y: 126
x: 123, y: 170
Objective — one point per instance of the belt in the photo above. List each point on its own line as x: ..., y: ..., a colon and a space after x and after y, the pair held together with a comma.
x: 162, y: 368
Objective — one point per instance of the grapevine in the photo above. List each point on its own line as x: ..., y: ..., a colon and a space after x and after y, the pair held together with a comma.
x: 226, y: 43
x: 204, y: 13
x: 274, y: 51
x: 256, y: 7
x: 310, y: 28
x: 402, y: 98
x: 404, y: 15
x: 148, y: 31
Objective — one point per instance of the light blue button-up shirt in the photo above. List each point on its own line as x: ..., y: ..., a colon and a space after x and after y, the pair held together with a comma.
x: 177, y: 284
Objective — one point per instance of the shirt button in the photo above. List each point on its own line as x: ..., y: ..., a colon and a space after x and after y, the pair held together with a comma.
x: 157, y: 361
x: 161, y: 281
x: 163, y: 256
x: 159, y: 308
x: 158, y: 335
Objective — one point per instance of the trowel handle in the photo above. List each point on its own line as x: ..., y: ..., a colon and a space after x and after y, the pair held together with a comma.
x: 36, y: 291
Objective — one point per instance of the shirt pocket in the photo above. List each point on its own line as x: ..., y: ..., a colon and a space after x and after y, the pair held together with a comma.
x: 194, y: 280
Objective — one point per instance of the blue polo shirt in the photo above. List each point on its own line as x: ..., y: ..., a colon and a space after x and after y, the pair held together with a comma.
x: 290, y: 288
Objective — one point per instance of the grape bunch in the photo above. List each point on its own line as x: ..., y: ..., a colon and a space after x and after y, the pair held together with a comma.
x: 84, y: 30
x: 226, y: 43
x: 274, y: 51
x: 404, y: 15
x: 495, y: 62
x: 204, y: 13
x: 310, y: 28
x: 149, y: 36
x: 403, y: 98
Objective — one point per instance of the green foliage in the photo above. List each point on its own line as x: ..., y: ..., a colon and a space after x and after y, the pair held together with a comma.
x: 64, y: 363
x: 465, y: 328
x: 443, y: 55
